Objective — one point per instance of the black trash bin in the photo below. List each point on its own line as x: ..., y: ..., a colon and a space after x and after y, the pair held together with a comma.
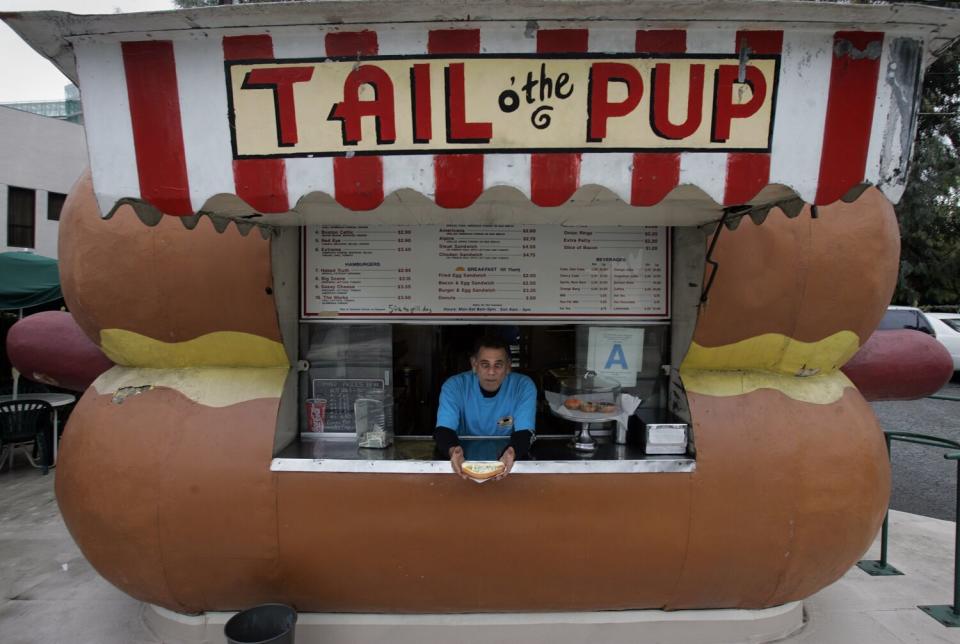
x: 264, y: 624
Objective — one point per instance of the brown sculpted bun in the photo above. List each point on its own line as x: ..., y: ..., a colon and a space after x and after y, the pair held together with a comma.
x: 572, y: 403
x: 482, y: 470
x: 589, y: 407
x: 606, y: 408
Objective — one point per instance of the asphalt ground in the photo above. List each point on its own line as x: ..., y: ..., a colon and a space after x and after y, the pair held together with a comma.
x: 923, y: 481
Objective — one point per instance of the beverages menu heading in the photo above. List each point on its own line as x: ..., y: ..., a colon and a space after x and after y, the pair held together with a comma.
x: 485, y: 271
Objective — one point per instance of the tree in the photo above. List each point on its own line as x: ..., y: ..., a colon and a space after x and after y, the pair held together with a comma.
x: 929, y: 212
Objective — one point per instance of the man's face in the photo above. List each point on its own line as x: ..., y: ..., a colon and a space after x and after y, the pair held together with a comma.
x: 491, y: 367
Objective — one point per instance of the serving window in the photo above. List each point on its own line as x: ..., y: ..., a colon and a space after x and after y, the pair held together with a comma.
x: 404, y: 366
x: 388, y: 313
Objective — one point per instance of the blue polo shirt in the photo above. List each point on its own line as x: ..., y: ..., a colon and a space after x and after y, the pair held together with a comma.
x: 465, y: 409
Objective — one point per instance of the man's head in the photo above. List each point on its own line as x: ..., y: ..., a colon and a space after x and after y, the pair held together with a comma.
x: 490, y: 361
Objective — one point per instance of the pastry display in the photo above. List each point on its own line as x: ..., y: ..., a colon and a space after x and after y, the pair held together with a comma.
x: 589, y: 406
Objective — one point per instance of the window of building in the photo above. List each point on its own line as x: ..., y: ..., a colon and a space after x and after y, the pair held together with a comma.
x: 21, y: 208
x: 55, y: 205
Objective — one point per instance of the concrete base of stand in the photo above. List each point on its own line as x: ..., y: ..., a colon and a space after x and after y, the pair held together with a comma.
x: 610, y: 627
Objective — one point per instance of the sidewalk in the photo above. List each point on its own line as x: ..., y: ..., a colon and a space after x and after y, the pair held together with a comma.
x: 50, y: 594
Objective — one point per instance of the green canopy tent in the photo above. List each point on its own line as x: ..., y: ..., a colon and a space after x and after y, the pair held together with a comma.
x: 28, y: 280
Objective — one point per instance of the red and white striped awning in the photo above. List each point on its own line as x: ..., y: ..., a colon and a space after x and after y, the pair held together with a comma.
x: 158, y: 115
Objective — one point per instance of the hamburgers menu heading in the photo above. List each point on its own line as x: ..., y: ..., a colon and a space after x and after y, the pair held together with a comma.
x: 485, y: 103
x: 485, y: 271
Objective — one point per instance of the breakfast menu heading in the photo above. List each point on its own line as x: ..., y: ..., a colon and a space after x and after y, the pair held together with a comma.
x: 485, y: 271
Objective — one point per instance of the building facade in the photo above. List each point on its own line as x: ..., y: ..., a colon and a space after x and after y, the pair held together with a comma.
x: 45, y: 157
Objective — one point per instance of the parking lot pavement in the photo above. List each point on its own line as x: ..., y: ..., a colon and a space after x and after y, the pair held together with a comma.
x: 48, y: 591
x: 923, y: 481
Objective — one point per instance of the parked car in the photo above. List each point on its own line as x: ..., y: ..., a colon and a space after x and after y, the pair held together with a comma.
x: 945, y: 327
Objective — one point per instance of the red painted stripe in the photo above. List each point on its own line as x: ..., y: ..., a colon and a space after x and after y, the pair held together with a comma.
x: 655, y: 174
x: 357, y: 182
x: 555, y: 176
x: 151, y: 74
x: 749, y: 172
x: 459, y: 177
x: 262, y: 183
x: 846, y: 135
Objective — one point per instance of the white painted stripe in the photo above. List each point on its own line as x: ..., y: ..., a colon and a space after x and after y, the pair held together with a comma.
x: 886, y: 148
x: 299, y: 43
x: 881, y: 110
x: 801, y: 111
x: 612, y: 38
x: 403, y: 39
x: 106, y: 113
x: 416, y: 170
x: 201, y: 84
x: 707, y: 170
x: 613, y: 171
x: 507, y: 169
x: 304, y: 175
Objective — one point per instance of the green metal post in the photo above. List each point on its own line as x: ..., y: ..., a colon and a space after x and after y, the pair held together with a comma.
x: 886, y: 517
x: 949, y: 616
x: 956, y: 551
x: 880, y: 568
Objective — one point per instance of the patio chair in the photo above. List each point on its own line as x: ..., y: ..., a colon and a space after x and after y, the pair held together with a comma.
x: 20, y: 423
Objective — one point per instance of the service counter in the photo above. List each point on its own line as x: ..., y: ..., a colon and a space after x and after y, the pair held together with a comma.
x: 549, y: 454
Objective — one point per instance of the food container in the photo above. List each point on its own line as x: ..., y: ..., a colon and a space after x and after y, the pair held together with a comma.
x: 373, y: 430
x: 666, y: 438
x: 589, y: 397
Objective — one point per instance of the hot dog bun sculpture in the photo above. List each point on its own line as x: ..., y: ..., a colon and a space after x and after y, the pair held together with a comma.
x: 165, y: 479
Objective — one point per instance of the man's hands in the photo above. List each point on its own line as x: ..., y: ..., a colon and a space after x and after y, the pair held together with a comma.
x: 509, y: 456
x: 456, y: 462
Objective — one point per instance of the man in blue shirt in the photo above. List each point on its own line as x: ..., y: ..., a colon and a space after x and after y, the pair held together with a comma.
x: 488, y: 400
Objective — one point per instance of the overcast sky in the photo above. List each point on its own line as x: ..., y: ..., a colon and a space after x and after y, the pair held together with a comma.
x: 25, y: 75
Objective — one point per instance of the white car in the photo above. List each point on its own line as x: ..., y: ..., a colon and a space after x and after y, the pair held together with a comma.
x: 945, y: 327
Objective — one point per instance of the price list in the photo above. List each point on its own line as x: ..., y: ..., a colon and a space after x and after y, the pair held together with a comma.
x: 484, y: 271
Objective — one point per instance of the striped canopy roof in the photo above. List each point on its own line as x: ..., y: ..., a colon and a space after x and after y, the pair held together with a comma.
x: 158, y: 115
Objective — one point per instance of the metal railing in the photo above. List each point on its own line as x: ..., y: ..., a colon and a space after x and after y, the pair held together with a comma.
x: 948, y: 615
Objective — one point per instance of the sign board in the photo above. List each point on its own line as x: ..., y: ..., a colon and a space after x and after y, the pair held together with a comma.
x: 616, y: 353
x: 488, y: 103
x: 340, y: 394
x: 482, y: 271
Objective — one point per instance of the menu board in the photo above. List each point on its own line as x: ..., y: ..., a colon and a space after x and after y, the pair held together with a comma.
x: 467, y: 271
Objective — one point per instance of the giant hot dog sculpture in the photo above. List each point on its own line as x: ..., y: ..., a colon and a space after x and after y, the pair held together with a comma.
x: 165, y: 479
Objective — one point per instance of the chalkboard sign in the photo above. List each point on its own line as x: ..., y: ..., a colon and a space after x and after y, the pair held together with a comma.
x: 340, y: 394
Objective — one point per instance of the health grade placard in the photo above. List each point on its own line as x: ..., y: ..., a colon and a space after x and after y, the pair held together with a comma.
x: 468, y: 272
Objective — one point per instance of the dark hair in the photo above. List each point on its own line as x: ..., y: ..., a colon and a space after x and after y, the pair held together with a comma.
x: 490, y: 341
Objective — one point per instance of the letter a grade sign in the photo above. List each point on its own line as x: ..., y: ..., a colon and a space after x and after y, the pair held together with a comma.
x: 430, y: 105
x: 616, y: 353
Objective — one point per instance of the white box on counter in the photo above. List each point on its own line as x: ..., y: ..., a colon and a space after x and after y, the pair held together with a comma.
x: 666, y: 438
